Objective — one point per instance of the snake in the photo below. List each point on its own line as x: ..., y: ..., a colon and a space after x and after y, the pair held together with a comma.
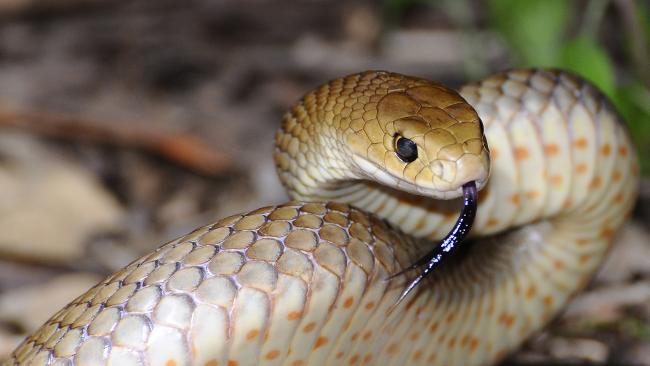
x: 358, y: 268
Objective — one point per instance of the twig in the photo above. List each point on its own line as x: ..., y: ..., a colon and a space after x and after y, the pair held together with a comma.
x: 182, y: 149
x: 636, y: 34
x: 593, y: 17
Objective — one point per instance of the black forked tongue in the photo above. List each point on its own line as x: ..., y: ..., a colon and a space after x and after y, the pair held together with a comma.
x: 449, y: 244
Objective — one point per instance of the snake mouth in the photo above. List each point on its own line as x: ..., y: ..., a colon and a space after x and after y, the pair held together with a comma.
x: 448, y: 245
x: 373, y: 172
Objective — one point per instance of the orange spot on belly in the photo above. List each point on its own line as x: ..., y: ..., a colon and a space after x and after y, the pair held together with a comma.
x: 354, y: 359
x: 530, y: 293
x: 233, y: 363
x: 581, y: 143
x: 581, y: 241
x: 596, y: 183
x: 433, y: 327
x: 320, y: 341
x: 520, y: 153
x: 616, y: 177
x: 607, y: 232
x: 211, y: 363
x: 473, y: 344
x: 606, y: 150
x: 556, y: 180
x: 622, y: 150
x: 348, y: 302
x: 252, y: 334
x: 619, y: 198
x: 272, y: 354
x: 294, y: 315
x: 347, y: 325
x: 367, y: 335
x: 581, y: 168
x: 584, y: 258
x: 367, y: 358
x: 414, y: 337
x: 551, y: 149
x: 547, y: 300
x: 309, y: 327
x: 419, y: 310
x: 417, y: 355
x: 531, y: 195
x: 464, y: 341
x: 339, y: 355
x: 451, y: 317
x: 515, y: 199
x: 369, y: 305
x: 170, y: 363
x: 393, y: 348
x: 452, y: 342
x: 298, y: 363
x: 507, y: 319
x: 492, y: 222
x: 558, y: 264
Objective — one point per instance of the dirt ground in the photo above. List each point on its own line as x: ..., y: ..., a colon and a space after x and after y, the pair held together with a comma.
x: 128, y: 123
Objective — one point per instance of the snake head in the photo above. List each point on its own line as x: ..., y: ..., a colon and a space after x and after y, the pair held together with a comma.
x: 425, y: 139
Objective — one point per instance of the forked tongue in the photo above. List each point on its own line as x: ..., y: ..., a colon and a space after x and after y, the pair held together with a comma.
x: 448, y: 245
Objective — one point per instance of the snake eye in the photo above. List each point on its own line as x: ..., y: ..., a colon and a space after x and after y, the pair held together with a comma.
x: 406, y: 149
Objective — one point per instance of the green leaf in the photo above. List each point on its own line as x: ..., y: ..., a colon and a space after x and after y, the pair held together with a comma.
x: 587, y: 58
x: 633, y: 101
x: 534, y: 28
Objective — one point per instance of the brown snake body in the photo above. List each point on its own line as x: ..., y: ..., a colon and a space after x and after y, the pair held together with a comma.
x: 306, y: 283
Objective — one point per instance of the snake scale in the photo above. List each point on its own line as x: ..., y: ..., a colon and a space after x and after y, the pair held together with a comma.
x: 368, y: 158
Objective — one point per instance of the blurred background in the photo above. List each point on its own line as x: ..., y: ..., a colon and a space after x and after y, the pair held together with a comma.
x: 125, y: 124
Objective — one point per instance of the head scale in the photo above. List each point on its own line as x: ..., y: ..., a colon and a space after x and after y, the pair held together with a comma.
x: 419, y: 137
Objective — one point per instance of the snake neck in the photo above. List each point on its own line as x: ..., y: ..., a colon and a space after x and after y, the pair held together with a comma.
x: 311, y: 170
x: 311, y: 155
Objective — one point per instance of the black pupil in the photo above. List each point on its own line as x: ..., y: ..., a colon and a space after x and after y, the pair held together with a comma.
x: 406, y: 149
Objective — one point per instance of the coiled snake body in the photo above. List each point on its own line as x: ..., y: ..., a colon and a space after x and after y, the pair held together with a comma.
x: 306, y: 283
